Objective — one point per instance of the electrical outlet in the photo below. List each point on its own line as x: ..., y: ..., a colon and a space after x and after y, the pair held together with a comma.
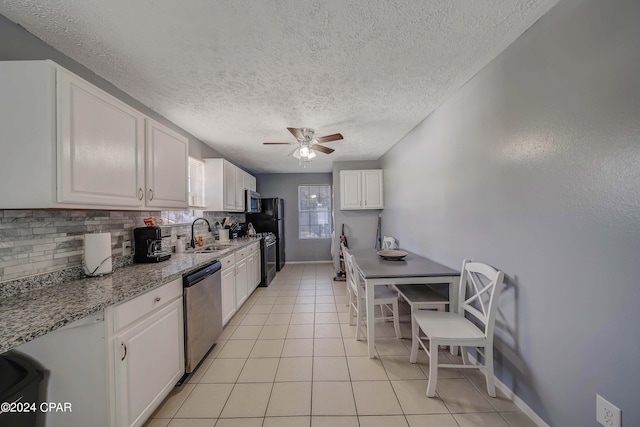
x: 126, y: 247
x: 606, y: 413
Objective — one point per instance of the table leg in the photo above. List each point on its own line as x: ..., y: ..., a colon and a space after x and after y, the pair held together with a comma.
x: 371, y: 333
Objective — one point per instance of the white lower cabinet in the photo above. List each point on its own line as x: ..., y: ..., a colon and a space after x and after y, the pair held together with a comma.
x: 253, y: 266
x: 116, y: 366
x: 240, y: 277
x: 149, y: 360
x: 228, y: 288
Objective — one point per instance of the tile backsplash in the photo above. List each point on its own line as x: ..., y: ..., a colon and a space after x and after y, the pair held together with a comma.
x: 34, y: 242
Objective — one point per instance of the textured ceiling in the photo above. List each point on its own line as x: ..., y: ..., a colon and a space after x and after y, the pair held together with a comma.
x: 237, y: 73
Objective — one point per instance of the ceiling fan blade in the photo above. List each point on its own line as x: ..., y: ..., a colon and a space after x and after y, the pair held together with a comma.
x: 322, y: 149
x: 297, y: 133
x: 278, y: 143
x: 329, y: 138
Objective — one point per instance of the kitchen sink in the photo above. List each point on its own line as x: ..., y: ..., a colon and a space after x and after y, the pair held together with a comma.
x: 212, y: 248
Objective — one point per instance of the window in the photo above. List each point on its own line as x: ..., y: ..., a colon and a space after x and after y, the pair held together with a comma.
x: 314, y: 211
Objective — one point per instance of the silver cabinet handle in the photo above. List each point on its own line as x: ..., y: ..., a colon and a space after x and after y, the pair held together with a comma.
x: 140, y: 193
x: 150, y: 194
x: 157, y: 299
x: 124, y: 346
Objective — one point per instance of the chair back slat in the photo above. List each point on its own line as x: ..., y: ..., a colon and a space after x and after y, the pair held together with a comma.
x: 353, y: 279
x: 480, y: 285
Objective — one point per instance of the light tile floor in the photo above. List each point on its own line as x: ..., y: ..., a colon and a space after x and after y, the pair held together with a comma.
x: 289, y: 358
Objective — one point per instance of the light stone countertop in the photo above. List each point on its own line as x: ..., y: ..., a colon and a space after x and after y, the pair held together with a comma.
x: 27, y: 315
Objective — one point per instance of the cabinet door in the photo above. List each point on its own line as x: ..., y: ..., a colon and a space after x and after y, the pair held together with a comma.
x: 242, y: 288
x: 229, y: 183
x: 251, y: 272
x: 240, y: 186
x: 372, y: 189
x: 149, y: 361
x: 252, y: 183
x: 258, y: 266
x: 100, y: 146
x: 350, y: 189
x: 228, y: 294
x: 167, y: 166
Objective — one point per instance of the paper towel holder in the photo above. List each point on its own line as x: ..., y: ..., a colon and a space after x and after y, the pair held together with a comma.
x: 97, y: 254
x: 93, y: 273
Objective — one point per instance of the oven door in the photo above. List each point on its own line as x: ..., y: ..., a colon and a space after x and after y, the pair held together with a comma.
x: 271, y: 262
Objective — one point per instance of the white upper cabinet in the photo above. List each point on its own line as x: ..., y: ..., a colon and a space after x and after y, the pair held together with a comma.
x: 72, y: 145
x: 224, y: 185
x: 100, y: 146
x: 251, y: 185
x: 167, y: 156
x: 361, y: 189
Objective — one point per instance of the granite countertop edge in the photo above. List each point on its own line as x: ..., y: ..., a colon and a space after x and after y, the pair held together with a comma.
x: 30, y: 314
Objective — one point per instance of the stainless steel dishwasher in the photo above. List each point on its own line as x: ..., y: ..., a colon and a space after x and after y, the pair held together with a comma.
x: 202, y: 313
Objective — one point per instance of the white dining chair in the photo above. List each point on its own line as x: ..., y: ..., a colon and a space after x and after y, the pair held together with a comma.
x: 384, y: 297
x: 480, y: 286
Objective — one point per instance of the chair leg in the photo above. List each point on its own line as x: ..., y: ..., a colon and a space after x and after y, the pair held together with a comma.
x: 351, y: 310
x: 358, y: 318
x: 415, y: 331
x: 465, y: 355
x: 488, y: 363
x: 396, y: 319
x: 433, y: 368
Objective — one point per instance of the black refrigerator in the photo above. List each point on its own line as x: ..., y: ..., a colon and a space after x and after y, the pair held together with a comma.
x: 271, y: 219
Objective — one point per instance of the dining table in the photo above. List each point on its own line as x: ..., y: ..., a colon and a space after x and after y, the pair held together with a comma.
x: 411, y: 269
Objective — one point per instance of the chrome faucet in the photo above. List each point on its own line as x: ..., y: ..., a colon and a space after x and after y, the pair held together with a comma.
x: 193, y: 237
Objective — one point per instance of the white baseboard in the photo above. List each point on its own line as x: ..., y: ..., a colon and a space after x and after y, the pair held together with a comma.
x: 516, y: 400
x: 309, y: 262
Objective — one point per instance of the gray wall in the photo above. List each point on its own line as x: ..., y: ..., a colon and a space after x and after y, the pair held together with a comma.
x: 18, y: 44
x: 285, y: 186
x: 359, y: 226
x: 533, y: 167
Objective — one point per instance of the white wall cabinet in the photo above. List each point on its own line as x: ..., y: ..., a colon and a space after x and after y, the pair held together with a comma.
x: 100, y: 146
x: 225, y: 185
x: 75, y: 146
x: 361, y: 189
x: 167, y: 163
x: 250, y: 182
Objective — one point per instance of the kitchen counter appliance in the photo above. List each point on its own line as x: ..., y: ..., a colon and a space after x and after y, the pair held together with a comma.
x: 202, y: 313
x: 148, y: 245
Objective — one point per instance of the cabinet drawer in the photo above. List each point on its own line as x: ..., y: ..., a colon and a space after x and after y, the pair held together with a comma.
x: 242, y: 253
x: 132, y: 310
x: 228, y: 261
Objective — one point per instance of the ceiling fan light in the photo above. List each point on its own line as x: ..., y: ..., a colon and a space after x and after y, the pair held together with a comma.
x: 311, y: 154
x: 304, y: 151
x: 296, y: 154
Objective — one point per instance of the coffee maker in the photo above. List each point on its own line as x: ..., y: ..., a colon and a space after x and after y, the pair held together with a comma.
x: 148, y: 245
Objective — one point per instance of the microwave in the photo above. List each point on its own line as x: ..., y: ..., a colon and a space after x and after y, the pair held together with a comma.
x: 252, y: 204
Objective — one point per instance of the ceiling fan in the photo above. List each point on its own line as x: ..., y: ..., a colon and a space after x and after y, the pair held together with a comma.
x: 308, y: 144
